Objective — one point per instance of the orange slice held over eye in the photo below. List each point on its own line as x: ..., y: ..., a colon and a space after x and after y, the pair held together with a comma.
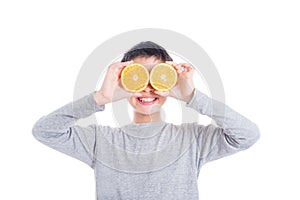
x: 163, y: 77
x: 134, y: 77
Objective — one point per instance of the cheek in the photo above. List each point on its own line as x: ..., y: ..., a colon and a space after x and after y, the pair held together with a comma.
x: 162, y: 100
x: 131, y: 101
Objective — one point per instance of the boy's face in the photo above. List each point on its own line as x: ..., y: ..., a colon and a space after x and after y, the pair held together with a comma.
x: 150, y: 102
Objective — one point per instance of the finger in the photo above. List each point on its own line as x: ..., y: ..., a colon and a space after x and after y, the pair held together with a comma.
x: 187, y: 68
x: 121, y: 65
x: 127, y: 62
x: 190, y: 69
x: 182, y: 67
x: 179, y: 68
x: 175, y: 65
x: 187, y: 65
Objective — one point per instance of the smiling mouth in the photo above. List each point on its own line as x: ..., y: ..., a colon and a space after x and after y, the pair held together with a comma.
x: 147, y: 100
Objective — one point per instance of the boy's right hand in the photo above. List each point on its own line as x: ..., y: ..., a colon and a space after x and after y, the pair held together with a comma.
x: 112, y: 89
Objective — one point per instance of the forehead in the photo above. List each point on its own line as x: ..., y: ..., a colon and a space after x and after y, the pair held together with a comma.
x: 148, y: 62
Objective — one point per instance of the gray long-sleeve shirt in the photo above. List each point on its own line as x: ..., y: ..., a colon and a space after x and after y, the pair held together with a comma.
x: 155, y: 160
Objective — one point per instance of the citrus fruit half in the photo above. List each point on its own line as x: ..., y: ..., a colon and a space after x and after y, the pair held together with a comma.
x: 135, y: 77
x: 163, y: 77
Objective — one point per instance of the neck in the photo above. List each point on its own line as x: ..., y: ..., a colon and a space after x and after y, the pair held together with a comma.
x: 143, y: 118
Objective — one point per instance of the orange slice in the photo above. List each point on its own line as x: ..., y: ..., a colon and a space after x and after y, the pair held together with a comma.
x: 163, y: 77
x: 135, y: 77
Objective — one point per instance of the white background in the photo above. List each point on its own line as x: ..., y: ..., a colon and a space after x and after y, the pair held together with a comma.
x: 254, y: 45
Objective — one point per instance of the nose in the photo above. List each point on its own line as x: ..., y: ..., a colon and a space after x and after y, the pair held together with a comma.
x: 149, y: 89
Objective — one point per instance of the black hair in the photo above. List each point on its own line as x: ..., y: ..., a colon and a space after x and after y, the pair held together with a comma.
x: 147, y: 49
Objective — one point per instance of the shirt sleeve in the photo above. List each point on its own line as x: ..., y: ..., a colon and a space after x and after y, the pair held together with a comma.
x: 233, y: 132
x: 58, y: 130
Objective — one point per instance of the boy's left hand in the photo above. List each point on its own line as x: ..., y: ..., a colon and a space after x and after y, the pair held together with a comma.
x: 184, y: 88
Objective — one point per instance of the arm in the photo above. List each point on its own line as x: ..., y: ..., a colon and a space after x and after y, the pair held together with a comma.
x: 233, y: 132
x: 57, y: 129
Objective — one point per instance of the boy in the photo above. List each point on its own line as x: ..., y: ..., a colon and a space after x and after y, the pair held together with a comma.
x: 149, y: 158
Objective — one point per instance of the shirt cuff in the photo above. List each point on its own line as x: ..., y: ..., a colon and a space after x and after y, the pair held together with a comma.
x: 93, y: 102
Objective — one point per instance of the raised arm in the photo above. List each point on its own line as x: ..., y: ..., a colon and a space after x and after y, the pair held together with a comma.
x: 58, y: 130
x: 233, y: 132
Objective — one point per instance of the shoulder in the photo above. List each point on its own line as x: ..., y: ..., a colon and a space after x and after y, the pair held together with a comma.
x: 192, y: 128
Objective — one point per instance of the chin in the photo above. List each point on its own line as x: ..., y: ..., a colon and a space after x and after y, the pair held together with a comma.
x: 151, y: 110
x: 146, y: 112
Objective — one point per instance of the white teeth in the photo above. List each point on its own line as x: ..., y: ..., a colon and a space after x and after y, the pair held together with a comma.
x: 146, y: 99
